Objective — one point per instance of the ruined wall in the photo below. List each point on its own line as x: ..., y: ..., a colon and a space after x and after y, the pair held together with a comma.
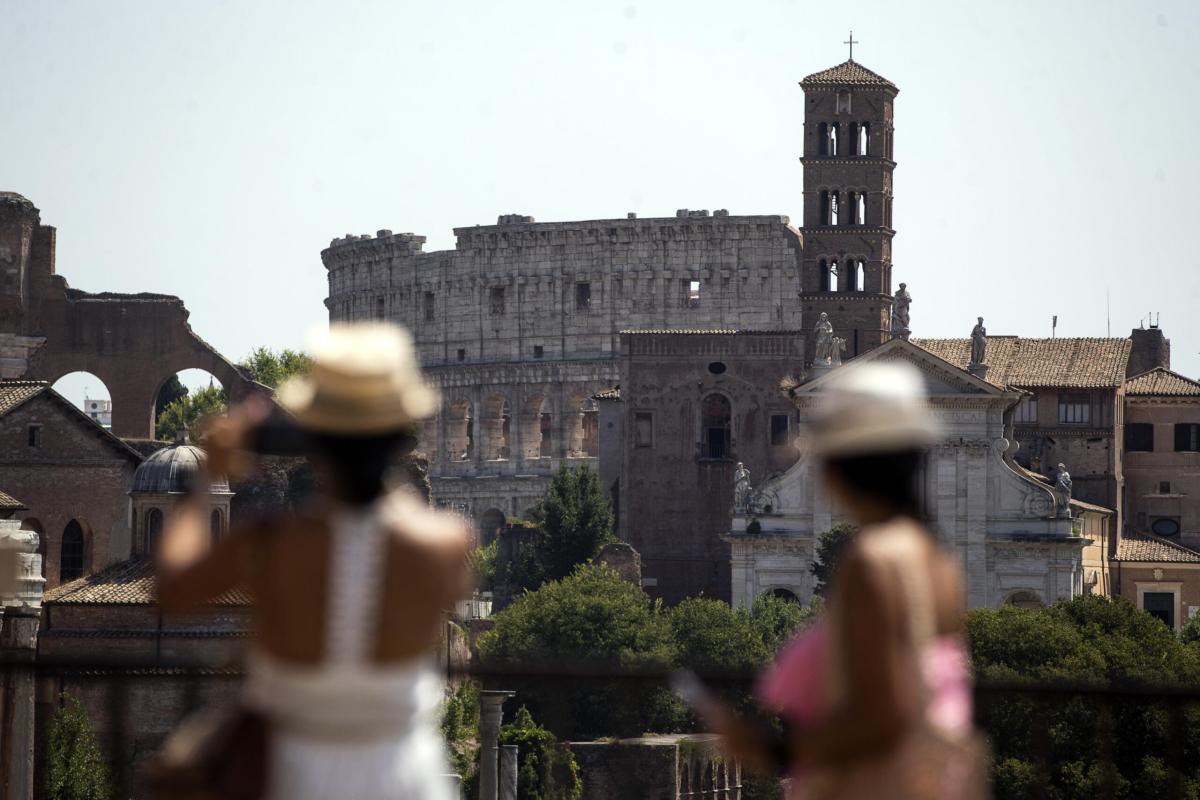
x: 675, y: 494
x: 519, y: 326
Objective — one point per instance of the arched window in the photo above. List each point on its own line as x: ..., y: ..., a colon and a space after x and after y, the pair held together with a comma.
x: 860, y: 275
x: 154, y: 525
x: 853, y: 131
x: 823, y: 267
x: 1024, y: 599
x: 824, y: 207
x: 834, y: 132
x: 822, y: 139
x: 785, y: 594
x: 864, y: 139
x: 834, y: 210
x: 716, y: 417
x: 70, y: 559
x: 843, y: 102
x: 835, y: 278
x: 214, y: 524
x: 860, y: 209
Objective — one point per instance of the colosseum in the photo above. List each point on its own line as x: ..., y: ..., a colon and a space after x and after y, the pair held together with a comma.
x: 520, y: 324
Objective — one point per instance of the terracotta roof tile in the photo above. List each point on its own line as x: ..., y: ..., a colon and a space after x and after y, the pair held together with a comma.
x: 703, y: 332
x: 1080, y: 363
x: 10, y: 503
x: 848, y: 73
x: 1160, y: 381
x: 1148, y: 547
x: 125, y: 583
x: 14, y: 393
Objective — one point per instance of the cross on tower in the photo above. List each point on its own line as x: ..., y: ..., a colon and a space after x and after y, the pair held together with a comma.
x: 851, y: 42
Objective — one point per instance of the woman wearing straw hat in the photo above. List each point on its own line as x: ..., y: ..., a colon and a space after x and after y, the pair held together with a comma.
x: 350, y: 592
x: 876, y: 696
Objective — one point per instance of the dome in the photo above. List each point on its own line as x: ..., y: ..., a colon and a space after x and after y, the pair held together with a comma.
x: 16, y: 199
x: 171, y: 469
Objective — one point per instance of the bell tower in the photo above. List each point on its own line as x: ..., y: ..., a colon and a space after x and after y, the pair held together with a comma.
x: 847, y: 267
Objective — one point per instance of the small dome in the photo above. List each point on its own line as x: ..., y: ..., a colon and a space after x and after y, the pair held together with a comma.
x: 171, y: 469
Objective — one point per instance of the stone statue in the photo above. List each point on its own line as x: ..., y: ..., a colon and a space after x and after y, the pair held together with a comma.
x: 823, y: 341
x: 900, y: 304
x: 979, y: 343
x: 1062, y: 492
x: 742, y: 491
x: 839, y: 347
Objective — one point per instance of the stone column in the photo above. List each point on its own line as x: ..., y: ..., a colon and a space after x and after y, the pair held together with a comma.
x: 493, y: 438
x: 508, y: 772
x: 20, y: 615
x: 530, y: 436
x: 491, y: 714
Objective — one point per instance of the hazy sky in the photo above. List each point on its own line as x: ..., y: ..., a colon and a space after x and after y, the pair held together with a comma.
x: 1047, y: 150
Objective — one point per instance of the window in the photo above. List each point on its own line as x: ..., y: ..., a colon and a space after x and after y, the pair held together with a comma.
x: 691, y: 294
x: 843, y: 102
x: 430, y: 307
x: 583, y: 296
x: 154, y: 524
x: 1024, y: 599
x: 1074, y: 409
x: 214, y: 525
x: 864, y: 139
x: 1187, y: 437
x: 1139, y: 437
x: 823, y: 139
x: 1160, y: 605
x: 462, y: 354
x: 34, y: 435
x: 643, y: 429
x: 779, y: 429
x: 717, y: 367
x: 380, y: 308
x: 70, y: 560
x: 1164, y: 487
x: 1165, y: 526
x: 538, y: 351
x: 497, y: 300
x: 546, y: 447
x: 716, y: 416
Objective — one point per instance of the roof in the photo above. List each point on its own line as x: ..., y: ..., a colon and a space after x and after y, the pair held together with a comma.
x: 14, y: 394
x: 1083, y: 363
x: 1148, y: 547
x: 1163, y: 382
x: 848, y: 73
x: 703, y: 332
x: 172, y: 469
x: 10, y: 503
x: 125, y: 583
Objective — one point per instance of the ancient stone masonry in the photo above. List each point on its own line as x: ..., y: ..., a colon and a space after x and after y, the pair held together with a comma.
x: 132, y: 342
x: 519, y: 326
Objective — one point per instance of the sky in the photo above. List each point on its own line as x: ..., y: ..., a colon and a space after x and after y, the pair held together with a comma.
x: 211, y: 150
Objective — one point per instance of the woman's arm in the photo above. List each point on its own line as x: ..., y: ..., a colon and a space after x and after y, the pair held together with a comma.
x: 881, y: 698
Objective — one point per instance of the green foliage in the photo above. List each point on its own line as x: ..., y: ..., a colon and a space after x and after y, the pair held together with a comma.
x: 590, y: 617
x: 460, y: 723
x: 483, y: 565
x: 574, y: 520
x: 272, y: 367
x: 74, y: 767
x: 712, y: 637
x: 1191, y: 630
x: 187, y: 413
x: 777, y: 620
x: 1108, y: 643
x: 547, y: 770
x: 171, y: 391
x: 831, y: 546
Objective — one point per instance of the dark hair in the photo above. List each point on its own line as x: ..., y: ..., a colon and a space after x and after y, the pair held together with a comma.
x: 889, y: 478
x: 359, y: 463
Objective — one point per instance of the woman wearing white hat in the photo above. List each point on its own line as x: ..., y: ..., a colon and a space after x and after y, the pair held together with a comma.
x: 876, y: 696
x: 350, y: 592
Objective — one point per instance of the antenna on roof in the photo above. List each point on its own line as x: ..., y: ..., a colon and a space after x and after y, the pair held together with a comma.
x: 1108, y: 309
x: 1053, y: 326
x: 1154, y: 318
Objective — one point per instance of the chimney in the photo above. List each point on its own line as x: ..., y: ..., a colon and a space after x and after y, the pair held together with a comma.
x: 1150, y: 349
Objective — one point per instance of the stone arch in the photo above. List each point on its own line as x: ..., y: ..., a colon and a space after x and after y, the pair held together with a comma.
x: 537, y: 427
x: 460, y: 430
x: 216, y: 525
x: 213, y: 380
x: 716, y: 426
x: 491, y: 522
x: 496, y: 428
x: 88, y: 392
x: 1024, y: 598
x: 783, y: 593
x: 72, y: 552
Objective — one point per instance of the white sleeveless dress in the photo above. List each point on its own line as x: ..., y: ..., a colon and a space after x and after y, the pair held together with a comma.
x: 347, y: 728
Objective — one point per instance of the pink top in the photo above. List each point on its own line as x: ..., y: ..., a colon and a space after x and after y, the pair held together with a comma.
x: 795, y: 687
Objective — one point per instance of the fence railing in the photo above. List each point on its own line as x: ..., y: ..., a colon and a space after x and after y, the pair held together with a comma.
x: 115, y: 686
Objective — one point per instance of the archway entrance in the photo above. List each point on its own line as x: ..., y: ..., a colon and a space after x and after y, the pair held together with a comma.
x: 89, y: 394
x: 184, y: 399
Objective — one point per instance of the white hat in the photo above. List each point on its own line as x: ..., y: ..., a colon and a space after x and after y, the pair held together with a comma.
x: 364, y: 380
x: 872, y: 407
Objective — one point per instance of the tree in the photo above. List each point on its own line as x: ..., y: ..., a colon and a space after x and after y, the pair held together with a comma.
x: 574, y: 520
x: 592, y: 618
x: 483, y: 565
x: 187, y: 412
x: 547, y: 769
x: 74, y: 768
x: 272, y: 367
x: 712, y: 637
x: 831, y: 546
x: 777, y: 620
x: 171, y: 391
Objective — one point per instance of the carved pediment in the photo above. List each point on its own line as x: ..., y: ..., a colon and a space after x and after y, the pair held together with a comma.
x: 941, y: 377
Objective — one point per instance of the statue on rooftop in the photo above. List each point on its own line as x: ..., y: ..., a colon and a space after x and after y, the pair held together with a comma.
x: 978, y: 343
x: 839, y: 347
x: 900, y: 305
x: 1062, y: 491
x: 823, y: 341
x: 742, y: 491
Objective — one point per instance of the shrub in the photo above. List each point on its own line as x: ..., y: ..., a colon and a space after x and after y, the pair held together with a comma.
x: 74, y: 767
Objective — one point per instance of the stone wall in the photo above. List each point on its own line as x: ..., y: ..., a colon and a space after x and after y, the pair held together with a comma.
x: 669, y: 767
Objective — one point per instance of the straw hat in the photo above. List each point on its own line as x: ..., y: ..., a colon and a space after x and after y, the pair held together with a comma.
x: 870, y: 408
x: 364, y: 380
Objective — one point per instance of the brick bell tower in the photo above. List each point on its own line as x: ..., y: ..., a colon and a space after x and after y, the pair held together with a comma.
x: 847, y: 268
